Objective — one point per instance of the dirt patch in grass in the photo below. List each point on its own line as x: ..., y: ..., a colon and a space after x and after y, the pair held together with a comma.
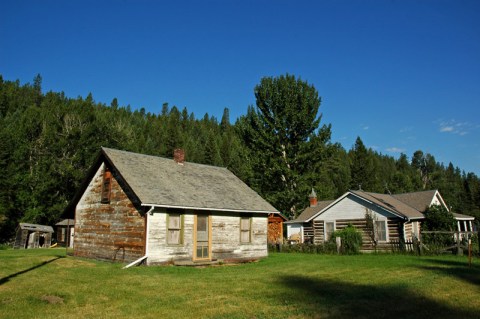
x: 52, y: 299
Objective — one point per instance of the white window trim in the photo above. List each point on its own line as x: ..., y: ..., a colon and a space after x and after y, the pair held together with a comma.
x: 325, y: 228
x: 386, y: 230
x: 250, y: 226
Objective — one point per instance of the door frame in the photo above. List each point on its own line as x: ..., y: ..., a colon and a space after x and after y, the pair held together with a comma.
x: 209, y: 227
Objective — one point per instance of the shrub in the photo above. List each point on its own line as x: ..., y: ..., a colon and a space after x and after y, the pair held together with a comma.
x: 326, y: 248
x: 351, y: 240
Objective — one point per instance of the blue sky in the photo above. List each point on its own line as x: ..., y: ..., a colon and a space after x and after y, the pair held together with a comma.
x: 402, y: 75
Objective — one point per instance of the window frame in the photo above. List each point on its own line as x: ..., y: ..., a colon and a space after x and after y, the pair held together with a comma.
x: 180, y: 229
x: 384, y: 230
x: 325, y: 233
x: 249, y: 230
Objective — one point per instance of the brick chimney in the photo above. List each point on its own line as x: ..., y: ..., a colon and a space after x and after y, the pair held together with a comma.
x: 313, y: 198
x: 179, y: 156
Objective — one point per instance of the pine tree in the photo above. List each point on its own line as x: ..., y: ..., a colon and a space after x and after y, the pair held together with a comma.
x: 283, y: 135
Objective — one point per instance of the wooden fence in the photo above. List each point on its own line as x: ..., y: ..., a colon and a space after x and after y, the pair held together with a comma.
x: 457, y: 244
x: 436, y: 242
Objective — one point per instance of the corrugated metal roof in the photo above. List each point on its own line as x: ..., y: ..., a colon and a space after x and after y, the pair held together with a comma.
x: 163, y: 182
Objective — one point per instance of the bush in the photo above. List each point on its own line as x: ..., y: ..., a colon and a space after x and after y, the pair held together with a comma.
x: 351, y: 240
x: 438, y: 218
x: 326, y: 248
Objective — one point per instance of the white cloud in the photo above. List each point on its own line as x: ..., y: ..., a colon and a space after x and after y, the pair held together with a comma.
x: 366, y: 128
x: 395, y: 150
x: 454, y: 127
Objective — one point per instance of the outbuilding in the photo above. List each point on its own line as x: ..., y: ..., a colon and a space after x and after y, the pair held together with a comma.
x: 33, y: 236
x: 65, y: 232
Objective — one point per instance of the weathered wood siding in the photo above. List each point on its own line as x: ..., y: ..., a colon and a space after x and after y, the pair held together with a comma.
x: 113, y: 231
x: 225, y: 238
x: 32, y: 239
x: 308, y: 232
x: 158, y: 250
x: 410, y: 230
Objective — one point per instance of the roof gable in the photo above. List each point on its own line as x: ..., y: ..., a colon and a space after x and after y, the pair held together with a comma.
x: 421, y: 200
x: 310, y: 212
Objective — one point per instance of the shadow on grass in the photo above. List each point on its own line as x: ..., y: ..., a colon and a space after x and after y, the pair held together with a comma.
x: 458, y: 269
x: 323, y: 298
x: 6, y: 279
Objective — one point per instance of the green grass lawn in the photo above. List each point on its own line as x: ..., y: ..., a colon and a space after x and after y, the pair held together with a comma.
x: 47, y: 284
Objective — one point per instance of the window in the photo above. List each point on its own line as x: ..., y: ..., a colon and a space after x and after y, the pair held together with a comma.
x: 381, y: 230
x: 415, y: 230
x: 106, y: 186
x: 245, y: 229
x: 174, y: 229
x: 202, y: 237
x: 329, y: 229
x: 61, y: 235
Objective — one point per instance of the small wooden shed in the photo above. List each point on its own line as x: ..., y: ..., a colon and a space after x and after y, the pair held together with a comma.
x: 33, y: 236
x: 275, y: 228
x: 65, y: 232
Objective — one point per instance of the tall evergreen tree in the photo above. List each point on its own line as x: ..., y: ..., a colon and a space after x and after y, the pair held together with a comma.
x: 286, y: 144
x: 361, y: 167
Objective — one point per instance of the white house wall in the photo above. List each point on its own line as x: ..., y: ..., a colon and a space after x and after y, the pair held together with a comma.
x: 225, y: 238
x: 351, y: 207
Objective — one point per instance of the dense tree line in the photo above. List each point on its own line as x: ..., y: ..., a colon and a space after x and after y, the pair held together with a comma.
x: 48, y: 141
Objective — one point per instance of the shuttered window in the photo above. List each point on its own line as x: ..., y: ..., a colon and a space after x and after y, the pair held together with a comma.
x: 106, y: 186
x: 174, y: 229
x: 245, y: 229
x: 381, y: 230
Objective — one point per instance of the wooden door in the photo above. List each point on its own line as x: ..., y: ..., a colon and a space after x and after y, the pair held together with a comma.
x: 203, y: 237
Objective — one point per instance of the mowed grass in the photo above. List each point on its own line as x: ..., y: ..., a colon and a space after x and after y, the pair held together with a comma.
x: 48, y: 284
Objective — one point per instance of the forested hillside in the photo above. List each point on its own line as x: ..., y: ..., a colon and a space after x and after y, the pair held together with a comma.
x: 48, y: 141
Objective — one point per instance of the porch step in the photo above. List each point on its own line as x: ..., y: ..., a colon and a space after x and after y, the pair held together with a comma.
x: 190, y: 263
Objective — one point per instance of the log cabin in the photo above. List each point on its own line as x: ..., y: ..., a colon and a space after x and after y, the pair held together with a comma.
x: 396, y: 217
x: 134, y: 207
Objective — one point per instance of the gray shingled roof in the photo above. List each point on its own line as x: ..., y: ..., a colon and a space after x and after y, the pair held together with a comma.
x: 162, y: 182
x: 410, y: 205
x: 390, y: 203
x: 418, y: 200
x: 310, y: 211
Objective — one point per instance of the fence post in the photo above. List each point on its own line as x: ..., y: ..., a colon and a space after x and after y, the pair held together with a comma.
x: 470, y: 252
x: 459, y: 249
x: 338, y: 241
